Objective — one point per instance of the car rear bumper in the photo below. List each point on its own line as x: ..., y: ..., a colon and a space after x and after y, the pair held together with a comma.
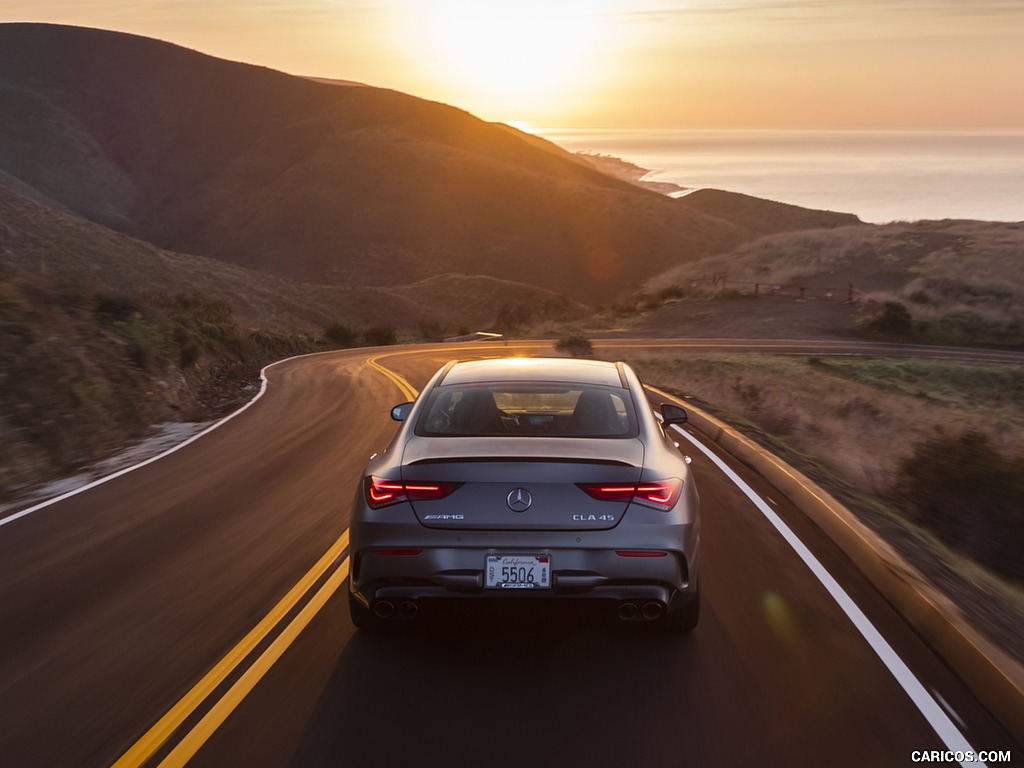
x: 394, y: 569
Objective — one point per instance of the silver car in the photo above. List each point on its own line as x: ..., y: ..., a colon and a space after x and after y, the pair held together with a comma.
x: 530, y: 479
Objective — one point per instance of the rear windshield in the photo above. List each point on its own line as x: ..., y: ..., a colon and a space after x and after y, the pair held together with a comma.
x: 518, y: 410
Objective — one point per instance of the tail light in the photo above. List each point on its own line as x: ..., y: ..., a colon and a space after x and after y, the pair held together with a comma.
x: 640, y: 553
x: 658, y: 494
x: 381, y: 492
x: 661, y: 494
x: 610, y: 492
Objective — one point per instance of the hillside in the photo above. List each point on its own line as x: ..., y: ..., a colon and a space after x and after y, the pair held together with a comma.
x: 103, y: 335
x: 947, y: 282
x: 78, y: 256
x: 170, y: 222
x: 346, y: 185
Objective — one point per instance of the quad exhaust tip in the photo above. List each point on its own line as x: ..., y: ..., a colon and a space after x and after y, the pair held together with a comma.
x: 628, y: 611
x: 652, y: 610
x: 404, y: 610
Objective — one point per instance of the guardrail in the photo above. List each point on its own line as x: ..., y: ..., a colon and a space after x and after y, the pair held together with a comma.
x: 995, y: 678
x: 477, y: 336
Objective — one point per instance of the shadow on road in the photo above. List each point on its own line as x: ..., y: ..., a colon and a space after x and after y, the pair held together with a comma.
x: 519, y: 689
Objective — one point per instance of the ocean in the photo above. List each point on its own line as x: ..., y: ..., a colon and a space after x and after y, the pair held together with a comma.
x: 880, y: 176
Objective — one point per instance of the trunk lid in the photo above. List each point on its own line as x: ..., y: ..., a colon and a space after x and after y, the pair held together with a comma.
x: 521, y: 483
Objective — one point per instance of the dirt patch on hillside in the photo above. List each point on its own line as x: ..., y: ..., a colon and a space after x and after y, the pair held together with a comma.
x: 762, y: 318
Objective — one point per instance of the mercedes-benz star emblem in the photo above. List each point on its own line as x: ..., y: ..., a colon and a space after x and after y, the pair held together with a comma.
x: 519, y: 500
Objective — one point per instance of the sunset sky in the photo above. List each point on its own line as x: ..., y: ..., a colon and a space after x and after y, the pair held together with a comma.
x: 877, y: 64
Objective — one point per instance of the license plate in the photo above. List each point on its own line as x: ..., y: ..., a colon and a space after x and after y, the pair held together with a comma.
x: 518, y: 572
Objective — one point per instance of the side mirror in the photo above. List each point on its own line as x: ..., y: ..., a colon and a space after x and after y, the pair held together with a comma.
x: 672, y: 414
x: 401, y: 412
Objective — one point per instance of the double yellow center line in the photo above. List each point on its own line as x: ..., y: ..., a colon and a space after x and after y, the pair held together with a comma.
x: 146, y: 747
x: 155, y: 737
x: 397, y: 379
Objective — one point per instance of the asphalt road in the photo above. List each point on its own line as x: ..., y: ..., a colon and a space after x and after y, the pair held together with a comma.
x: 190, y: 590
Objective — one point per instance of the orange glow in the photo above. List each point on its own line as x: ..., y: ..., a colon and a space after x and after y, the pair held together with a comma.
x: 524, y: 55
x: 623, y: 63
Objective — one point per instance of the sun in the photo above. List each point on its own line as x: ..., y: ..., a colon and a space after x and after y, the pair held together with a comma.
x: 510, y: 45
x: 518, y: 51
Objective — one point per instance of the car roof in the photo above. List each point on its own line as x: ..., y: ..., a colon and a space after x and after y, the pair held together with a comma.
x: 513, y: 369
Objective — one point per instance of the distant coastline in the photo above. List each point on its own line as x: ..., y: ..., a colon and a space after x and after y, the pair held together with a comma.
x: 880, y: 176
x: 627, y: 171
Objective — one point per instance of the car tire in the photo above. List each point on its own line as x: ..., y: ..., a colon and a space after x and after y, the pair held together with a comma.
x: 683, y: 619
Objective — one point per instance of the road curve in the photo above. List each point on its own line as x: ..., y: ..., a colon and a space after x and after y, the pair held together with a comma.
x: 116, y: 602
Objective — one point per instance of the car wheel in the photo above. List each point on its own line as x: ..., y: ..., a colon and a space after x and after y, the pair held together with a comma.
x: 684, y: 619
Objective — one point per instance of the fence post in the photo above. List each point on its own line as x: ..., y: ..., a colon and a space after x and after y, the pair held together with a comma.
x: 802, y: 290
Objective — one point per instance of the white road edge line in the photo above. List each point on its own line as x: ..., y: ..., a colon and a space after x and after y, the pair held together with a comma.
x: 937, y: 718
x: 263, y: 388
x: 133, y: 467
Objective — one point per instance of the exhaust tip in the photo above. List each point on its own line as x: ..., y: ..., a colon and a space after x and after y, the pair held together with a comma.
x: 652, y: 611
x: 407, y: 609
x: 384, y: 609
x: 628, y: 611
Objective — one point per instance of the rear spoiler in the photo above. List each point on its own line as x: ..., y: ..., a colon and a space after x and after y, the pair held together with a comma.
x: 518, y: 459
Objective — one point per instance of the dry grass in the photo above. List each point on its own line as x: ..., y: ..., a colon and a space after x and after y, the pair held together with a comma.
x: 849, y: 422
x: 973, y: 287
x: 84, y: 373
x: 962, y: 282
x: 780, y: 259
x: 861, y: 416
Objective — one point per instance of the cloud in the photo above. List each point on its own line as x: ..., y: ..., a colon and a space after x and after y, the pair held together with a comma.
x: 824, y: 19
x: 663, y: 10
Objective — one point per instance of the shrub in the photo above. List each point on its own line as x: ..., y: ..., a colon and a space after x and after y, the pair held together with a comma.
x: 144, y: 337
x: 891, y: 318
x: 111, y: 308
x: 198, y: 307
x: 627, y: 306
x: 964, y: 326
x: 512, y: 317
x: 751, y: 395
x: 674, y: 291
x: 576, y: 345
x: 428, y: 330
x: 340, y: 334
x: 970, y: 496
x: 380, y: 336
x: 189, y: 355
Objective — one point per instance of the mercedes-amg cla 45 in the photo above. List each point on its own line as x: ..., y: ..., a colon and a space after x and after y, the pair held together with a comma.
x: 529, y: 479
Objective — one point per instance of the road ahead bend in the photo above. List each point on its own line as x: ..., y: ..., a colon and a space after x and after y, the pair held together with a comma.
x: 207, y: 587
